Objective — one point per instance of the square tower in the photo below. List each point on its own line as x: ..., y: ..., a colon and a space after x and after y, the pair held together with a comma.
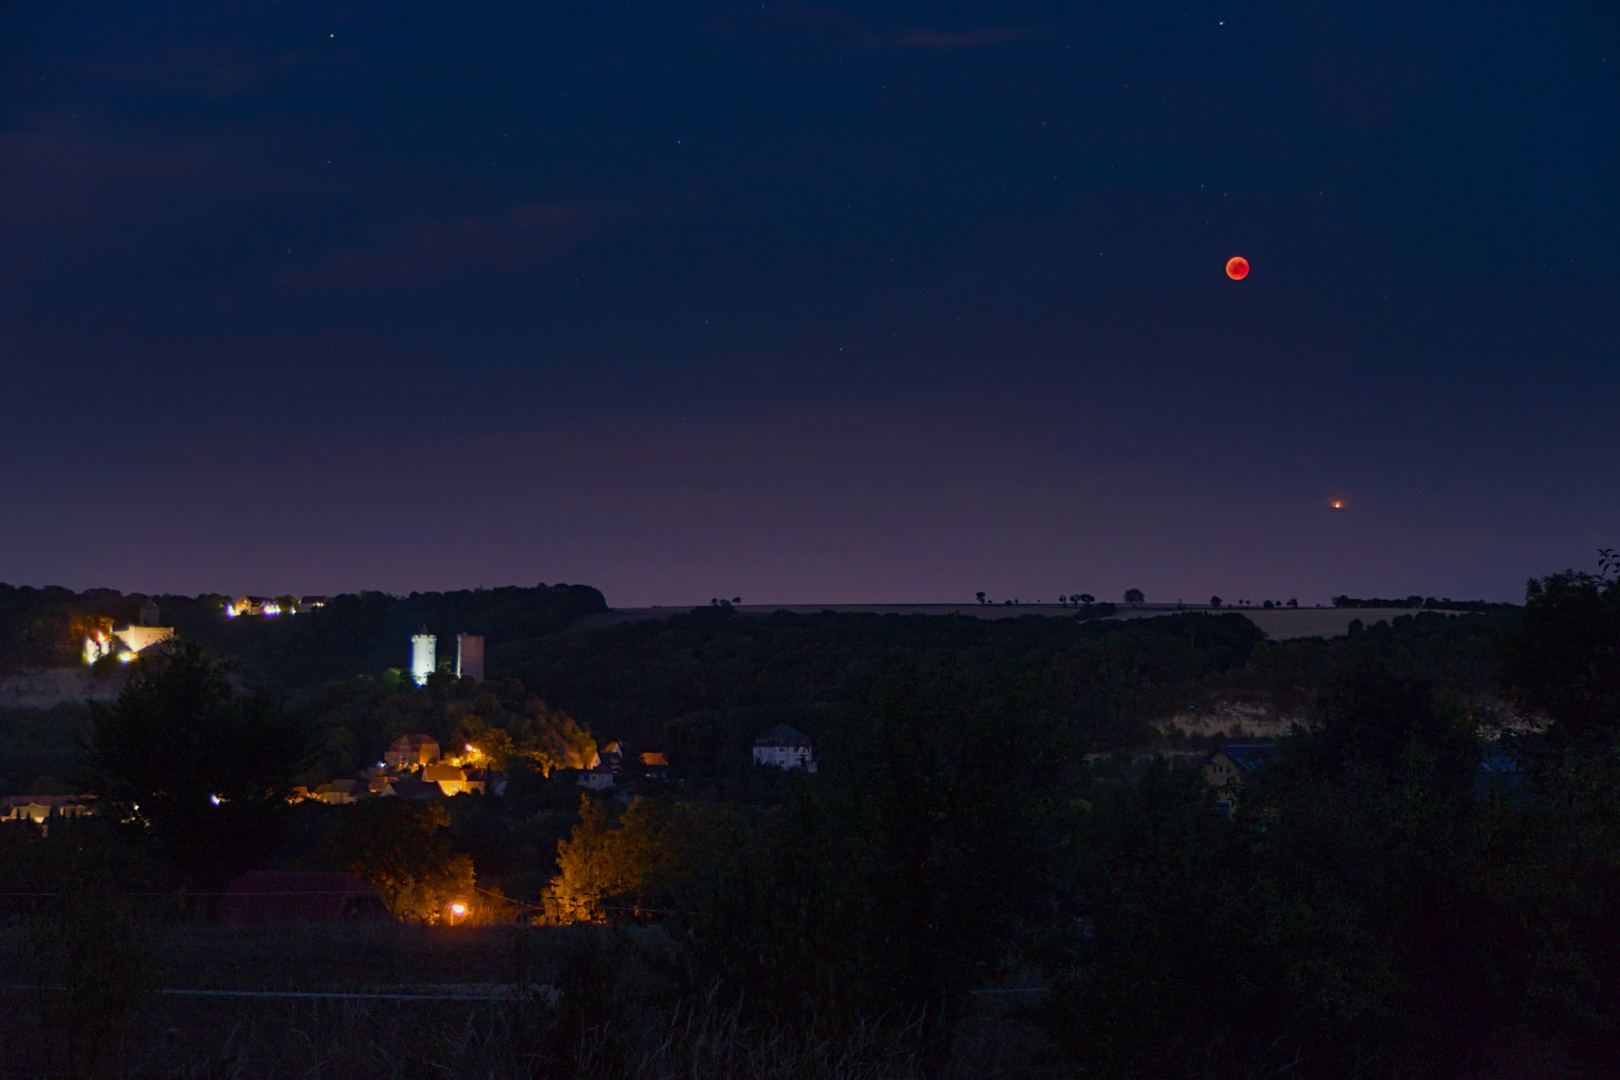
x: 470, y: 656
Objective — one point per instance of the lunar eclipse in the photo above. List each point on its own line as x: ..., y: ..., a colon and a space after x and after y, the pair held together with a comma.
x: 1237, y: 268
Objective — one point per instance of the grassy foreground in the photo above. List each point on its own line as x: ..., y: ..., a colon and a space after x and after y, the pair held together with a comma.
x: 569, y: 1002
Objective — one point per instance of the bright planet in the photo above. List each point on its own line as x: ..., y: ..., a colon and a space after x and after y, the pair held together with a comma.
x: 1237, y: 268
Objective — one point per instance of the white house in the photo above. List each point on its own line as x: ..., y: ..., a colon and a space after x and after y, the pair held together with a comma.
x: 598, y: 778
x: 785, y: 748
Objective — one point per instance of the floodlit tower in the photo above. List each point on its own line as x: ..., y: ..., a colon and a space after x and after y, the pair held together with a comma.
x: 470, y: 656
x: 424, y: 656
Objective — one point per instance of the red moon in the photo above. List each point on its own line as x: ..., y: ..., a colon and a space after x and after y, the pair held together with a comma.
x: 1237, y: 268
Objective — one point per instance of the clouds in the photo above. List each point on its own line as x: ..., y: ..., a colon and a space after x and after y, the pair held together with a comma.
x: 60, y: 173
x: 425, y: 251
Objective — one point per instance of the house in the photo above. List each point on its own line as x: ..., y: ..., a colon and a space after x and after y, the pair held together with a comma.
x: 409, y: 751
x: 137, y: 639
x: 481, y: 780
x: 654, y: 766
x: 342, y: 792
x: 37, y: 808
x: 452, y: 779
x: 126, y: 644
x: 785, y: 748
x: 598, y: 777
x: 278, y: 896
x: 1225, y: 769
x: 606, y: 767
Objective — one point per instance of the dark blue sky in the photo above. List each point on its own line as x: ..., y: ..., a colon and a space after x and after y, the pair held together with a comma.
x: 802, y: 302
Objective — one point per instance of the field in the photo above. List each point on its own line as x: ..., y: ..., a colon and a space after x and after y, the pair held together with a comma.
x: 386, y: 1001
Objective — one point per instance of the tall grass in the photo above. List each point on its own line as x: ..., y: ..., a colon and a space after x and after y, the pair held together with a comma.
x: 584, y: 1004
x: 91, y: 963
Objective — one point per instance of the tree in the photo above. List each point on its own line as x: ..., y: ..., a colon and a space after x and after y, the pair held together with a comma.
x: 979, y: 596
x: 1087, y: 599
x: 1214, y: 601
x: 401, y: 848
x: 655, y: 846
x: 207, y: 769
x: 1565, y: 659
x: 1134, y: 596
x: 523, y: 727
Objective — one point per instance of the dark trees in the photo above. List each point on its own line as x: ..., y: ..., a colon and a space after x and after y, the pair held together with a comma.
x: 1564, y: 660
x: 401, y: 848
x: 910, y: 881
x: 1134, y: 596
x: 209, y: 770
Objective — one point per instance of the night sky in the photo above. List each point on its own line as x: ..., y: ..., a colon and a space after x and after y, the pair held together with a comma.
x: 808, y: 303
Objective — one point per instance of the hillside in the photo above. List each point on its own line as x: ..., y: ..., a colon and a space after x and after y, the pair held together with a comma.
x: 353, y: 634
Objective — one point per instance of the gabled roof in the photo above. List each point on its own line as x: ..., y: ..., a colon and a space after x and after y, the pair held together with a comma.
x: 349, y: 786
x: 1250, y: 756
x: 782, y: 735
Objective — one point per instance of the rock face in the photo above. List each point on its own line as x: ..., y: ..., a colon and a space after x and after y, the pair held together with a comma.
x: 1238, y: 720
x: 53, y: 686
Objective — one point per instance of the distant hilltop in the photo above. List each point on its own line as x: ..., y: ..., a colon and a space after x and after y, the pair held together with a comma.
x: 308, y: 641
x: 1277, y: 622
x: 293, y: 642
